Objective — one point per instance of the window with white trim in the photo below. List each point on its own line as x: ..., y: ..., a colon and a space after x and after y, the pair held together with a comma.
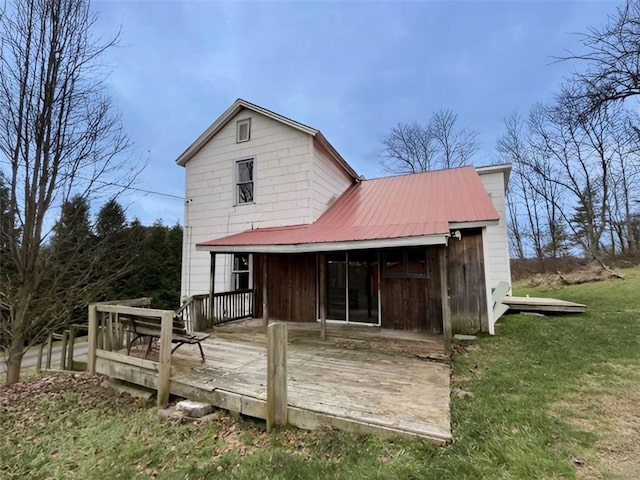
x: 244, y: 181
x: 240, y: 271
x: 243, y: 130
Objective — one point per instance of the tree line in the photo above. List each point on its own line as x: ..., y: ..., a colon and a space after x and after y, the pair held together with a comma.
x: 575, y: 183
x: 126, y: 259
x: 87, y: 260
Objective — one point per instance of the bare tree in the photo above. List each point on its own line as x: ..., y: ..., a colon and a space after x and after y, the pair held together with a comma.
x: 535, y: 222
x: 612, y: 57
x: 454, y: 146
x: 625, y: 180
x: 411, y: 147
x: 575, y: 172
x: 59, y: 139
x: 521, y: 206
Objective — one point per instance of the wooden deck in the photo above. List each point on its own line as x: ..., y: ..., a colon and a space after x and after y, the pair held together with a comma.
x: 362, y: 378
x: 347, y: 336
x: 542, y: 305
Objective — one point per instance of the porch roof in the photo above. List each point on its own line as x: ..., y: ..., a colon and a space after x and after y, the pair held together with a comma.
x: 404, y: 210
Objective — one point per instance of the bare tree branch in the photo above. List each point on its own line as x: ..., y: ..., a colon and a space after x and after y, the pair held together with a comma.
x: 411, y: 147
x: 611, y: 58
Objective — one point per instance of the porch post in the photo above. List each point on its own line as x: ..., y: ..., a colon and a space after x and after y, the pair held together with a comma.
x: 444, y: 291
x: 277, y: 410
x: 322, y: 295
x: 265, y: 306
x: 164, y: 358
x: 212, y: 283
x: 92, y: 340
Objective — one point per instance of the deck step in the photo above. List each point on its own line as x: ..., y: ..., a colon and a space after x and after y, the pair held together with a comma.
x: 542, y: 305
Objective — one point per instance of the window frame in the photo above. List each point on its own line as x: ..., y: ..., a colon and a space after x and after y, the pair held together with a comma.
x: 237, y: 182
x: 405, y: 273
x: 239, y: 124
x: 235, y: 274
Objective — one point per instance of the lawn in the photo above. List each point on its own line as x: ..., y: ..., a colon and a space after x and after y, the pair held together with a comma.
x: 548, y: 397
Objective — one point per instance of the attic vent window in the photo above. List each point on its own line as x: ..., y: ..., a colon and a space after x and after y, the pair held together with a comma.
x: 243, y: 130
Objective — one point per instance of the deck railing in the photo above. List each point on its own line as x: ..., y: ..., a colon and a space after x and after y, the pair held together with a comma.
x: 227, y: 306
x: 235, y: 305
x: 195, y: 311
x: 109, y: 335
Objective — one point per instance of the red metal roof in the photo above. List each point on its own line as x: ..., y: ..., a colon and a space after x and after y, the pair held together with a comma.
x: 416, y: 205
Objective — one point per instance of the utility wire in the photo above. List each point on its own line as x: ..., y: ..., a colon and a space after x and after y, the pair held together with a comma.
x: 125, y: 187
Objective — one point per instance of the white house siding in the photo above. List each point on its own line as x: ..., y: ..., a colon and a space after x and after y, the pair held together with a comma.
x: 497, y: 248
x: 329, y: 181
x: 282, y: 185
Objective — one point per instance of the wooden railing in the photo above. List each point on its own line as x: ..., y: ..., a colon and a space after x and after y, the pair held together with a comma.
x: 66, y: 359
x: 108, y: 335
x: 227, y: 306
x: 235, y: 305
x: 195, y: 311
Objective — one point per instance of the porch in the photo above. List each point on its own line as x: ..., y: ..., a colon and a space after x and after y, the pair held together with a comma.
x: 348, y: 381
x: 430, y: 288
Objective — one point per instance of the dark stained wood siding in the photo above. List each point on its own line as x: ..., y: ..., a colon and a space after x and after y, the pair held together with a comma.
x: 466, y: 281
x: 291, y: 287
x: 413, y: 303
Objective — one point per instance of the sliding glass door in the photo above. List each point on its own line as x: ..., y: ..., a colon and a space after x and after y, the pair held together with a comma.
x: 336, y: 287
x: 352, y: 287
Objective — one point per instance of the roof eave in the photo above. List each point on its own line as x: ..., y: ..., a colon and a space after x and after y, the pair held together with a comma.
x: 322, y: 140
x: 478, y: 224
x: 439, y: 239
x: 505, y: 168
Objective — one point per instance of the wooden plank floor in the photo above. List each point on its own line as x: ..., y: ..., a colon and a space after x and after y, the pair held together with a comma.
x: 360, y: 389
x: 347, y: 336
x: 356, y: 388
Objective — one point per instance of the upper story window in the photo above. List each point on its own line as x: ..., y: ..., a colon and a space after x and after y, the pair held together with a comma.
x: 243, y: 130
x: 244, y: 181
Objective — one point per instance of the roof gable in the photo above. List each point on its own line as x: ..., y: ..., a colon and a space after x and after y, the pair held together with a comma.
x: 240, y: 105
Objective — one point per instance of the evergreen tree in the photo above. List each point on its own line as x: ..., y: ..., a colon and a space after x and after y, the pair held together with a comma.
x: 111, y: 219
x: 72, y: 230
x: 69, y: 257
x: 156, y: 268
x: 115, y: 249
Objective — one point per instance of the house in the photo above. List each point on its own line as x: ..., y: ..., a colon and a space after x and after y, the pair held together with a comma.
x: 274, y: 211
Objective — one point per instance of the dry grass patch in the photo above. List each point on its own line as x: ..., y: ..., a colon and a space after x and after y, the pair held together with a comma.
x: 606, y: 407
x: 588, y: 274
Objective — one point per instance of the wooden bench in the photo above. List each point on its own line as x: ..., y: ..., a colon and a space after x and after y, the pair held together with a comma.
x: 152, y: 326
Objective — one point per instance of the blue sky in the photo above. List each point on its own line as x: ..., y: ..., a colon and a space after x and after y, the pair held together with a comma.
x: 351, y: 69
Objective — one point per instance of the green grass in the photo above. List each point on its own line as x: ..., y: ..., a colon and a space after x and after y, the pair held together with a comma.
x: 542, y: 399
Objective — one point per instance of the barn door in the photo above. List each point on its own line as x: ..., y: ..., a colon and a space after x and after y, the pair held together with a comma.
x: 466, y: 282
